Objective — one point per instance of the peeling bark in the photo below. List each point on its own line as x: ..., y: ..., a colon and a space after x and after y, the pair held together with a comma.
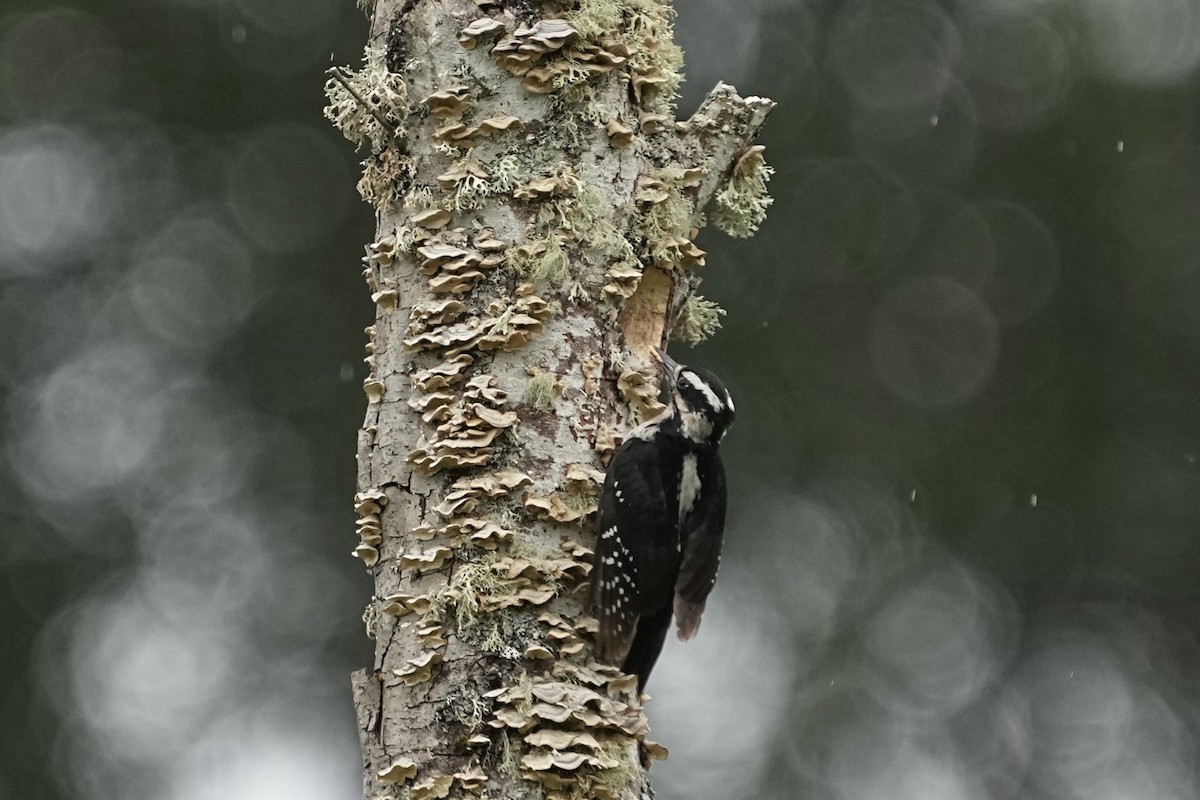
x: 537, y: 205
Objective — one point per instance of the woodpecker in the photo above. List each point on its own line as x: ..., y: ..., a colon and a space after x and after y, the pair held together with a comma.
x: 660, y: 523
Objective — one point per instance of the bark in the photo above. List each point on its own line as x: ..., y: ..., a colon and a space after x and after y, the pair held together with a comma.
x: 536, y: 203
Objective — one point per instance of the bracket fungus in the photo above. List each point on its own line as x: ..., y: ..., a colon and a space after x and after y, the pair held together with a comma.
x: 619, y: 134
x: 583, y: 480
x: 449, y: 102
x: 446, y: 375
x: 368, y: 554
x: 537, y: 652
x: 481, y: 533
x: 553, y: 508
x: 466, y: 493
x: 471, y: 779
x: 479, y: 29
x: 433, y: 313
x: 573, y: 733
x: 432, y: 635
x: 430, y: 559
x: 396, y: 606
x: 419, y: 669
x: 380, y: 254
x: 652, y: 123
x: 370, y: 501
x: 401, y: 604
x: 434, y: 787
x: 401, y: 770
x: 432, y: 218
x: 386, y: 299
x: 466, y: 427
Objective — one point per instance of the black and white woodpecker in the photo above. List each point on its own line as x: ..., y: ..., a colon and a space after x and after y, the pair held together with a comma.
x: 660, y: 523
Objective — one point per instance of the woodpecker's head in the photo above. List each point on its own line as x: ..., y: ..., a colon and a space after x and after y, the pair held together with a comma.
x: 701, y: 401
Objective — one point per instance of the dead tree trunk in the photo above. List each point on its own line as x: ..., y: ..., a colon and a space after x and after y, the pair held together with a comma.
x: 537, y: 203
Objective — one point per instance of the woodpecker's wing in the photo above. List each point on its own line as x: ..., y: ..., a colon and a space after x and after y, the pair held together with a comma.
x: 701, y: 534
x: 636, y: 551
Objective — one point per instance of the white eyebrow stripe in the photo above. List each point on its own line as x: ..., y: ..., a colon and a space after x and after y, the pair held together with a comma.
x: 713, y: 401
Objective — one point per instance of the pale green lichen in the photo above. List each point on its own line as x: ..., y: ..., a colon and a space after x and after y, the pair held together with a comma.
x: 471, y: 597
x: 470, y: 193
x: 504, y: 175
x: 384, y: 176
x: 367, y: 105
x: 418, y: 197
x: 507, y: 173
x: 540, y: 391
x: 508, y: 757
x: 583, y: 211
x: 646, y: 27
x: 596, y: 17
x: 699, y: 319
x: 655, y: 55
x: 473, y: 583
x: 741, y: 205
x: 542, y: 260
x: 617, y: 778
x: 580, y: 114
x: 467, y: 708
x: 670, y: 215
x: 371, y: 618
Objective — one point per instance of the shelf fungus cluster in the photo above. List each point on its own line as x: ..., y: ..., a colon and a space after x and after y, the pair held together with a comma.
x: 449, y: 104
x: 577, y: 724
x: 368, y: 505
x: 574, y: 501
x: 465, y: 425
x: 545, y: 55
x: 565, y: 49
x: 402, y: 771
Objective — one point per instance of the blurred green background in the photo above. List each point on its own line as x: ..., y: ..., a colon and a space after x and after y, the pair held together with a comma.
x: 963, y: 556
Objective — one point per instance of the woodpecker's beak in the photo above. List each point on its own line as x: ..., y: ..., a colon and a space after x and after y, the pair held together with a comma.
x: 671, y: 364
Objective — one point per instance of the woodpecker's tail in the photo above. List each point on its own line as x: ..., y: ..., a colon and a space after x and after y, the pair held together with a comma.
x: 647, y: 644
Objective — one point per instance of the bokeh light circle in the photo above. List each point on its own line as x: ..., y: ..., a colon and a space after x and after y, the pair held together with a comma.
x: 893, y: 54
x: 53, y: 196
x: 934, y: 343
x: 288, y: 187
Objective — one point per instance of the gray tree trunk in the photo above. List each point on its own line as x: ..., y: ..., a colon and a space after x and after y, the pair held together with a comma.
x: 537, y: 203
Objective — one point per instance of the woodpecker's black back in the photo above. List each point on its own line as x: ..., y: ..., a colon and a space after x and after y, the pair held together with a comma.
x: 660, y: 523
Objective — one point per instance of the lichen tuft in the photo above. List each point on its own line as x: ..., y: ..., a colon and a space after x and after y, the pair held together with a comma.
x: 541, y: 391
x: 741, y: 205
x: 385, y: 174
x: 542, y: 260
x: 368, y: 105
x: 698, y: 320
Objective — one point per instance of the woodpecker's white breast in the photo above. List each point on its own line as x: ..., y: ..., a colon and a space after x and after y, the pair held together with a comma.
x: 689, y: 486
